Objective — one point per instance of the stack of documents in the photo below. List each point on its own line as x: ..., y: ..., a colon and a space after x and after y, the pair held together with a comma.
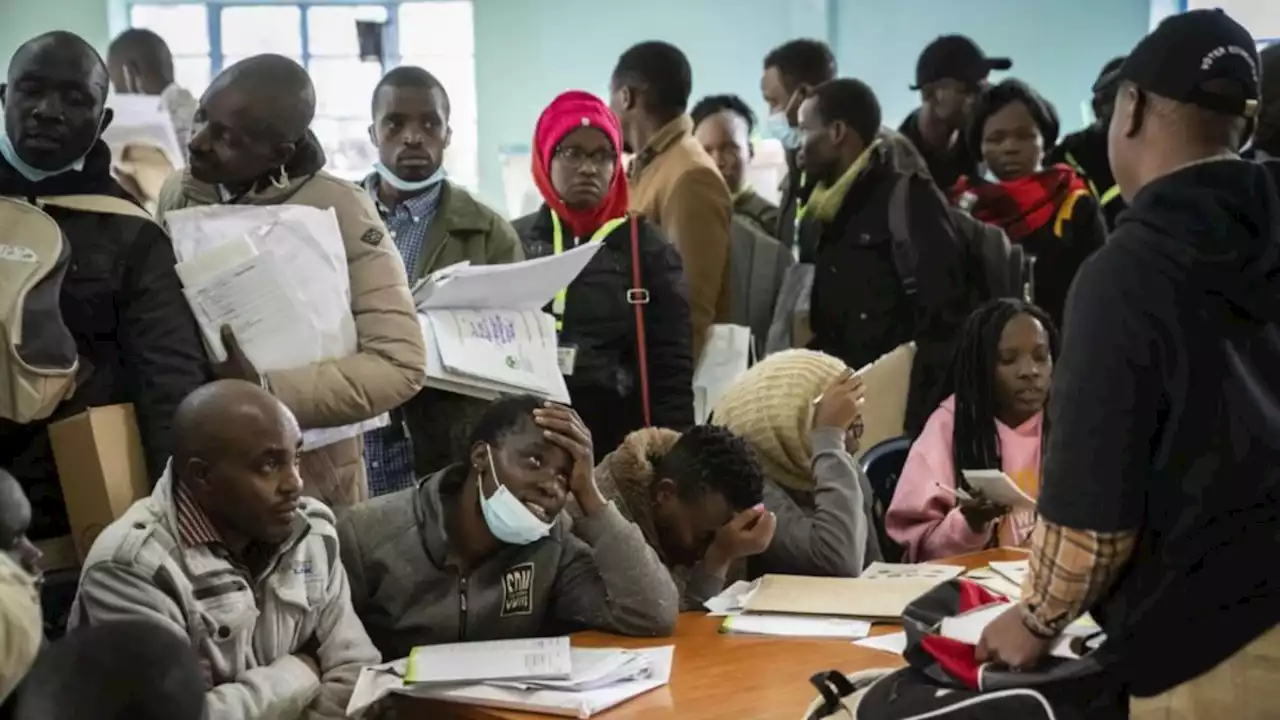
x: 797, y: 606
x: 485, y: 332
x: 143, y: 120
x: 277, y: 275
x: 540, y: 675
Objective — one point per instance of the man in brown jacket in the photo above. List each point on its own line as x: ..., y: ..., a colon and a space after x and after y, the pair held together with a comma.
x: 673, y: 180
x: 252, y: 147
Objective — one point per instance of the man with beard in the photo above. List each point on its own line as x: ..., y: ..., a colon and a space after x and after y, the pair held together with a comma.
x: 434, y: 224
x: 121, y: 299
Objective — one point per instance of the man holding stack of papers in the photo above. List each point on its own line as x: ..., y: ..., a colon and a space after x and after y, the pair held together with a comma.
x: 252, y: 147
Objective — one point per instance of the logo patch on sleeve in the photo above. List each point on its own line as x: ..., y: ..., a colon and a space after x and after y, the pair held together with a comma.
x: 372, y: 236
x: 517, y: 590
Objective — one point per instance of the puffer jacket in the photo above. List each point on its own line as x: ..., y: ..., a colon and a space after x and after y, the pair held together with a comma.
x: 123, y: 303
x: 387, y: 370
x: 245, y: 630
x: 601, y: 324
x: 624, y: 477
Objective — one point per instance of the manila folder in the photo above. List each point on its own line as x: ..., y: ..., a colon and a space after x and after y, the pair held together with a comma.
x: 872, y: 599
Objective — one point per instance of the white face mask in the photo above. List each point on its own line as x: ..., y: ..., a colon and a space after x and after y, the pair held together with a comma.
x: 508, y: 519
x: 777, y: 126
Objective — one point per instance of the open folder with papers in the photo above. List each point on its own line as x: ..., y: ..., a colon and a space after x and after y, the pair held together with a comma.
x: 527, y: 285
x: 600, y: 679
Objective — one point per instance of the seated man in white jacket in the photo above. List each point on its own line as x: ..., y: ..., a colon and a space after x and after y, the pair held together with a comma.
x: 229, y: 554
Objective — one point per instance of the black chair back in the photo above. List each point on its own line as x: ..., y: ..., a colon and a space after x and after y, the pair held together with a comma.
x: 882, y: 465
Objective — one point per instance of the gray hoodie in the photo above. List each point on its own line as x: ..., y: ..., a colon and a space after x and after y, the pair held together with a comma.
x: 406, y: 587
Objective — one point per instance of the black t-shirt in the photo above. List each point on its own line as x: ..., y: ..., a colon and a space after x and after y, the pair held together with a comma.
x: 1165, y: 420
x: 945, y: 167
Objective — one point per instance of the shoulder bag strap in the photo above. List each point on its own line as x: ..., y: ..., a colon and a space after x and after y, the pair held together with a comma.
x: 638, y: 296
x: 101, y: 204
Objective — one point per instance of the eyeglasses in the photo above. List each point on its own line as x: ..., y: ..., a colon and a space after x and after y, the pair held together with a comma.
x: 577, y: 157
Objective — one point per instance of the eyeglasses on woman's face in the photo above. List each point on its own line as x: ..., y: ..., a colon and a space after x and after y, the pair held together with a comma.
x: 576, y: 157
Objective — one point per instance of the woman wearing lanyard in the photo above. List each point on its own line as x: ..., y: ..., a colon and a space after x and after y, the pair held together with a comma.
x: 622, y: 332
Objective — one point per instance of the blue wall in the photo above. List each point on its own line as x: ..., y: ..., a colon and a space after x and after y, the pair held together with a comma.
x: 529, y: 50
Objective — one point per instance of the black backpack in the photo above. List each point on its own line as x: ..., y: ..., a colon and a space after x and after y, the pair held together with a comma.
x: 994, y: 267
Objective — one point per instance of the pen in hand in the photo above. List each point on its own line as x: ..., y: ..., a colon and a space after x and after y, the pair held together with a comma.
x: 958, y: 492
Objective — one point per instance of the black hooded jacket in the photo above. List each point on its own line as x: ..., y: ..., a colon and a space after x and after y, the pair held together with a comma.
x: 1166, y: 419
x: 123, y: 303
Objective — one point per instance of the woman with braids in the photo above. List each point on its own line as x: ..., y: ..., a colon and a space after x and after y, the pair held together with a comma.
x: 995, y: 420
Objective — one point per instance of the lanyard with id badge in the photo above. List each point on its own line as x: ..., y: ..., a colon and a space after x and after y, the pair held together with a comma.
x: 567, y: 353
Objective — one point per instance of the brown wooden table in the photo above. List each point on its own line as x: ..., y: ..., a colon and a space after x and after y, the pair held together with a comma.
x: 716, y: 676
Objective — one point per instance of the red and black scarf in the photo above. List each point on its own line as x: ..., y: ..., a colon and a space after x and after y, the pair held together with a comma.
x: 1020, y: 207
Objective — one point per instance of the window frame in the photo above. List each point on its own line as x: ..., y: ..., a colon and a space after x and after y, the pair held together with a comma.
x: 1261, y: 41
x: 391, y: 56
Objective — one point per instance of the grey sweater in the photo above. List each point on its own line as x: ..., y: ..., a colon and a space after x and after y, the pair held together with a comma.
x: 829, y: 533
x: 408, y: 591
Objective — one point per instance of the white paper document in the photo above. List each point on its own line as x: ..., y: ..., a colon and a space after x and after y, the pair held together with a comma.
x: 379, y: 681
x: 592, y: 668
x: 143, y: 120
x: 1015, y: 571
x: 895, y: 643
x: 999, y: 488
x: 278, y: 276
x: 995, y: 582
x: 941, y: 573
x: 1079, y: 637
x: 527, y: 285
x: 805, y: 626
x: 732, y: 600
x: 535, y: 344
x: 494, y: 660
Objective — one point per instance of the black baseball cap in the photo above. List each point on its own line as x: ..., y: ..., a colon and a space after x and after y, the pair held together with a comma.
x: 1109, y: 77
x: 955, y: 57
x: 1201, y: 58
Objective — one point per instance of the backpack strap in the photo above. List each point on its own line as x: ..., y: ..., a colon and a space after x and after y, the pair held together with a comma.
x: 100, y: 204
x: 1065, y: 212
x: 638, y: 296
x: 904, y: 253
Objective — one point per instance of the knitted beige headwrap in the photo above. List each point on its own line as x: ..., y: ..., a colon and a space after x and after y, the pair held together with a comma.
x: 771, y: 407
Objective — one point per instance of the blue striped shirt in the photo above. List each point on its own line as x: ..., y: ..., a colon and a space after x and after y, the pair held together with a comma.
x: 388, y: 454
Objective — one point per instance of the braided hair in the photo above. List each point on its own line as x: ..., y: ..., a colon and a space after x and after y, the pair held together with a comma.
x: 974, y: 442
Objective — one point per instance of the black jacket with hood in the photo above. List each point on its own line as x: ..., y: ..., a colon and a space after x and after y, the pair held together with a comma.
x: 123, y: 303
x: 1166, y: 419
x: 859, y: 308
x: 601, y: 324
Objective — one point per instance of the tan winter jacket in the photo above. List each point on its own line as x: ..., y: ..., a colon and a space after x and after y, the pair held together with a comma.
x: 391, y: 362
x: 21, y: 625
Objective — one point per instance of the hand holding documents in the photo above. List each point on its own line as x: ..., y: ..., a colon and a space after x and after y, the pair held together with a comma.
x: 277, y: 276
x: 999, y: 488
x: 485, y: 332
x: 597, y: 680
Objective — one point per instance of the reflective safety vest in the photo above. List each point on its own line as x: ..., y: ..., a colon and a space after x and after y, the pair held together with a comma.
x: 557, y: 245
x: 1104, y: 197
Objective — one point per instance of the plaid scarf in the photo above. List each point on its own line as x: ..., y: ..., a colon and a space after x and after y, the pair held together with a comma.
x: 1020, y: 207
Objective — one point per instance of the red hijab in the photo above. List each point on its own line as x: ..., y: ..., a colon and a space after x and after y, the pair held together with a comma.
x: 568, y: 112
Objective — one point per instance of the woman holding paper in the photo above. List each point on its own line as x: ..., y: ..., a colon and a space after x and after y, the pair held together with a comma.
x: 625, y: 328
x: 994, y: 421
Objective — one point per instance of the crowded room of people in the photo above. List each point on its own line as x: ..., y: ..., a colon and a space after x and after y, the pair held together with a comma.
x: 728, y: 359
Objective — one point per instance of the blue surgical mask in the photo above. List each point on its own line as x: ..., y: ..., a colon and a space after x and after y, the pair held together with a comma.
x: 33, y: 174
x: 777, y: 126
x: 508, y: 519
x: 403, y: 185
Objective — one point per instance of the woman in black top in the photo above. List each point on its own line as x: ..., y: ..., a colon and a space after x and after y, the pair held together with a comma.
x: 577, y: 170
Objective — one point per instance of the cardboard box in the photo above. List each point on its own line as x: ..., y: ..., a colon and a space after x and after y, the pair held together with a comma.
x: 101, y: 468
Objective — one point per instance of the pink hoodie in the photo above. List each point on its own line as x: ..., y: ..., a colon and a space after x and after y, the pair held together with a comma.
x: 924, y: 519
